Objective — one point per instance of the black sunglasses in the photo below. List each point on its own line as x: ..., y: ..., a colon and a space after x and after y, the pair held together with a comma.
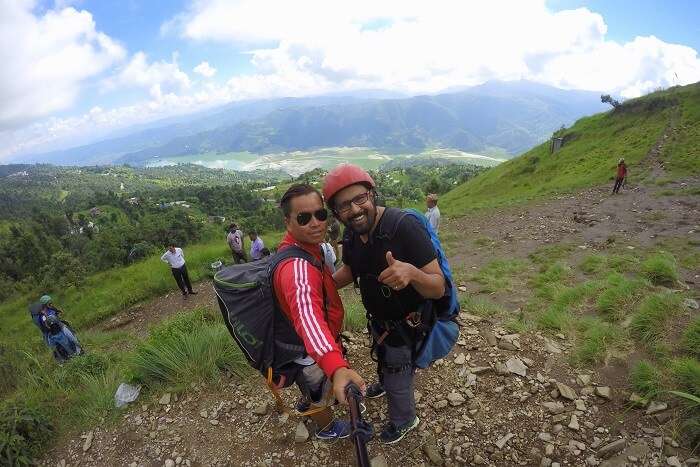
x: 304, y: 218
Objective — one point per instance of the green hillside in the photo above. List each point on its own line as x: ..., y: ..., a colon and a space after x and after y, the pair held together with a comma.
x: 591, y: 150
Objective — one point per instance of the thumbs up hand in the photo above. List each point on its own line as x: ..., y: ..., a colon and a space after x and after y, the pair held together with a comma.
x: 399, y: 274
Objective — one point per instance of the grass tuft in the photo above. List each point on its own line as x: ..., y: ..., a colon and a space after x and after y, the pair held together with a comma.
x: 594, y: 339
x: 497, y: 275
x: 480, y: 306
x: 691, y: 339
x: 661, y: 269
x: 619, y: 296
x: 649, y: 322
x: 646, y: 379
x: 686, y: 374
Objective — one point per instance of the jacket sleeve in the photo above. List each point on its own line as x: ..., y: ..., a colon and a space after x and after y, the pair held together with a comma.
x: 302, y: 289
x: 163, y: 258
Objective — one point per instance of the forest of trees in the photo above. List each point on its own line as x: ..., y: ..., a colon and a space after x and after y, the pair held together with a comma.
x: 60, y: 224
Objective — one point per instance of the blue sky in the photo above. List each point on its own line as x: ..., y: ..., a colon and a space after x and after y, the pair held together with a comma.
x: 76, y: 70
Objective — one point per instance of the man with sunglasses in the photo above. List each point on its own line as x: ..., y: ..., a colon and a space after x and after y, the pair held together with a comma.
x: 397, y: 272
x: 308, y: 297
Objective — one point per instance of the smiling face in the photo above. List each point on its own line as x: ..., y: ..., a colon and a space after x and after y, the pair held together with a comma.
x: 354, y: 210
x: 315, y: 230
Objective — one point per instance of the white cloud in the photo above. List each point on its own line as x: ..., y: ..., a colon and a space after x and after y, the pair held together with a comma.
x: 159, y: 77
x: 44, y: 59
x: 205, y: 70
x: 428, y: 46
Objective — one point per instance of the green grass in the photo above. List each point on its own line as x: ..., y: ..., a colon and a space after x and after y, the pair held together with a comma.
x: 549, y: 254
x: 590, y: 155
x: 557, y: 312
x: 686, y: 250
x: 594, y: 264
x: 355, y: 315
x: 686, y: 374
x: 594, y: 338
x: 619, y: 296
x: 480, y: 306
x: 498, y: 275
x: 646, y: 379
x: 661, y: 269
x: 648, y: 323
x: 691, y: 339
x: 549, y: 283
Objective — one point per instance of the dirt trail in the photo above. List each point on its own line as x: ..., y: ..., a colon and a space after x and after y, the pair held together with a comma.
x: 499, y: 399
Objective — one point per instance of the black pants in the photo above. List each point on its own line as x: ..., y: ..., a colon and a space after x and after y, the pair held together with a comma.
x: 618, y: 184
x: 238, y: 257
x: 182, y: 279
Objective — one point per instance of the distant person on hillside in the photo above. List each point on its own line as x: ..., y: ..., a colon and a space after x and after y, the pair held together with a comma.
x: 176, y: 259
x: 235, y: 243
x: 433, y: 213
x: 256, y: 246
x: 620, y: 176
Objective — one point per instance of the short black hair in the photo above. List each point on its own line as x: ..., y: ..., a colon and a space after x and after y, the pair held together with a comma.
x: 298, y: 189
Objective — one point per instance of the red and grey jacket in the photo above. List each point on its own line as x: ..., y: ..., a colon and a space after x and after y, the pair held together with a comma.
x: 299, y: 289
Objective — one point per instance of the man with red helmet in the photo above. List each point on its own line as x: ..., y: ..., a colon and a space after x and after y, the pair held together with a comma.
x: 396, y: 273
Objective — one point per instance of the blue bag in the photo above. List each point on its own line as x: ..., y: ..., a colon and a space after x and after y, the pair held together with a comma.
x: 445, y: 331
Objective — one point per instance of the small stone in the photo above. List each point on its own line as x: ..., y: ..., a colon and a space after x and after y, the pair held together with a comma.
x: 169, y: 463
x: 214, y: 422
x: 501, y: 369
x: 553, y: 407
x: 673, y: 461
x: 261, y: 409
x: 545, y: 462
x: 566, y: 392
x: 551, y: 346
x: 302, y: 433
x: 165, y: 399
x: 573, y: 424
x: 502, y: 442
x: 591, y: 460
x: 88, y: 441
x: 548, y: 450
x: 692, y: 462
x: 441, y: 404
x: 456, y: 399
x: 636, y: 399
x: 203, y: 414
x: 604, y: 392
x: 580, y: 405
x: 506, y: 345
x: 658, y: 442
x: 690, y: 303
x: 489, y: 337
x: 546, y: 437
x: 516, y: 366
x: 612, y: 448
x: 656, y: 407
x: 478, y: 460
x: 583, y: 380
x: 378, y: 461
x: 461, y: 359
x: 430, y: 450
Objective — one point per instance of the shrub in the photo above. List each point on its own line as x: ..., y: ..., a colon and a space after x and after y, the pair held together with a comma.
x: 648, y: 323
x: 197, y: 355
x: 691, y: 339
x: 661, y: 269
x: 646, y: 379
x: 24, y: 432
x: 593, y: 264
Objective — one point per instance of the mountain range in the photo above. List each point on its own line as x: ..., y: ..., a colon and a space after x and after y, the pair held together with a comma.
x: 496, y: 118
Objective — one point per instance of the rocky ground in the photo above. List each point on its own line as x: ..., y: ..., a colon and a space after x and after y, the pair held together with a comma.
x: 499, y: 399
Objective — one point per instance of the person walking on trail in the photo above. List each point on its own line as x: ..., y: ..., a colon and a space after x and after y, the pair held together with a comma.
x: 433, y: 212
x: 620, y: 175
x: 176, y: 259
x: 256, y: 246
x: 396, y: 276
x: 235, y: 243
x: 308, y: 297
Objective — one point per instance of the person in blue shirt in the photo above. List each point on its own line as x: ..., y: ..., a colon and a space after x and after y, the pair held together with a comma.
x: 256, y: 246
x: 55, y: 332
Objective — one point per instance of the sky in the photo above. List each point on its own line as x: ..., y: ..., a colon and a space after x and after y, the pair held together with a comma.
x: 73, y: 71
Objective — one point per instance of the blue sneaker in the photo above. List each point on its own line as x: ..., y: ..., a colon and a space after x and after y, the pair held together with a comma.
x: 338, y: 429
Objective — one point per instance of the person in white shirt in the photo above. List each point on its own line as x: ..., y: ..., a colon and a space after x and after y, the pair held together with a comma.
x: 328, y: 255
x: 176, y: 259
x: 433, y: 213
x: 235, y: 242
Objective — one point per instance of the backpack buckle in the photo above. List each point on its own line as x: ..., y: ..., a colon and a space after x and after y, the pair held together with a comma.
x: 414, y: 319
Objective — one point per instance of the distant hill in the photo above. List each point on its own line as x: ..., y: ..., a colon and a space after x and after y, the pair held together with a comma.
x: 501, y: 118
x: 498, y: 118
x: 591, y: 152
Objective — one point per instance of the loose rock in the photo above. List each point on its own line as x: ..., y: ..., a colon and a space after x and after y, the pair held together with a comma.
x: 302, y: 433
x: 566, y: 392
x: 516, y: 366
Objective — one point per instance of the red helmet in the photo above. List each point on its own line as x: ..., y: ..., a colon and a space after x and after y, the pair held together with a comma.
x: 342, y: 177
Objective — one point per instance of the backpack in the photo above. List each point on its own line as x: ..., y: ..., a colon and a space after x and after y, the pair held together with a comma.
x: 252, y: 315
x: 443, y: 330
